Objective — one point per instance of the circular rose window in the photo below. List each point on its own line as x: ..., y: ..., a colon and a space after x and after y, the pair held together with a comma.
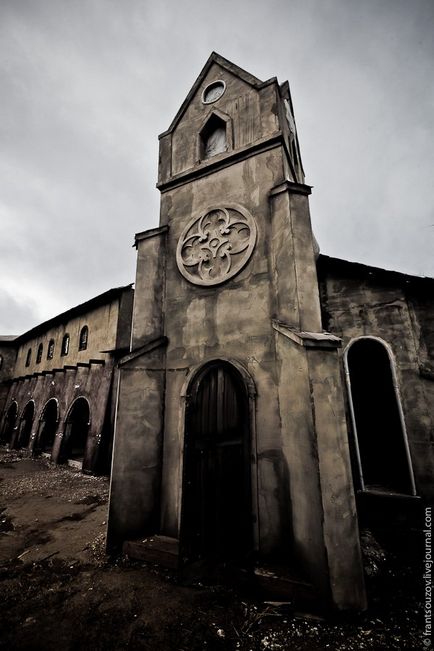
x: 213, y: 92
x: 216, y: 245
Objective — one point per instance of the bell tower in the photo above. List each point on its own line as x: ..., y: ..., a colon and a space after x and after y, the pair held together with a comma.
x: 230, y: 421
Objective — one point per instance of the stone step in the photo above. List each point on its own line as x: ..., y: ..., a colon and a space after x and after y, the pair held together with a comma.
x: 154, y: 549
x: 77, y: 464
x: 281, y: 584
x: 269, y: 581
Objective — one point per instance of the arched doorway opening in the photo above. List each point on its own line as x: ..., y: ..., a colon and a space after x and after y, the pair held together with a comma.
x: 47, y: 427
x: 217, y: 494
x: 26, y: 423
x: 76, y: 430
x: 380, y: 438
x: 9, y: 424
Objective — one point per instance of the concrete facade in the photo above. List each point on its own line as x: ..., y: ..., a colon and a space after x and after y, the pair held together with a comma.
x: 229, y: 282
x: 397, y: 310
x: 47, y: 373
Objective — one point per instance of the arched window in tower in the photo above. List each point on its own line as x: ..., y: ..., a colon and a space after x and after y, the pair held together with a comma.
x: 50, y: 350
x: 29, y: 357
x: 1, y: 362
x: 39, y: 354
x: 213, y: 137
x: 65, y: 345
x: 84, y: 334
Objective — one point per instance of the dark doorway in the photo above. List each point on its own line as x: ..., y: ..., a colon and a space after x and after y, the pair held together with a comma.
x: 378, y: 425
x: 216, y: 519
x: 76, y: 430
x: 9, y: 424
x: 47, y: 427
x: 26, y: 425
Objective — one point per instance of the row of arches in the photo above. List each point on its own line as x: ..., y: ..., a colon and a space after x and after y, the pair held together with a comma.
x: 17, y: 429
x: 82, y: 345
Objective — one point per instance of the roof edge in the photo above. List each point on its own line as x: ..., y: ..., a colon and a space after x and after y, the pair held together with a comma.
x: 224, y: 63
x: 328, y: 261
x: 92, y: 303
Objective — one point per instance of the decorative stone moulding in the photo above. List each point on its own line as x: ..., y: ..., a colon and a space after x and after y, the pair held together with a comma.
x: 213, y: 91
x: 216, y: 245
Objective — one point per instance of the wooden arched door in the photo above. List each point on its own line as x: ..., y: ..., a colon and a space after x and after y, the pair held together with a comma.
x: 216, y: 517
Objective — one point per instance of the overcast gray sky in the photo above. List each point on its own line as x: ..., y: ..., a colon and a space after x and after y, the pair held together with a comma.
x: 86, y: 86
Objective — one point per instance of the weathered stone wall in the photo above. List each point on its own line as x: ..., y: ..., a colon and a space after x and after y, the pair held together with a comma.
x: 148, y: 319
x: 92, y: 382
x: 302, y: 499
x: 87, y: 373
x: 8, y: 354
x: 103, y: 330
x: 136, y: 468
x: 363, y: 301
x: 233, y: 321
x: 227, y: 321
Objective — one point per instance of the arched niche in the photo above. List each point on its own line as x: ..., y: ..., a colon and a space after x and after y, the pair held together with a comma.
x: 25, y: 426
x: 83, y: 339
x: 380, y: 437
x: 215, y: 136
x: 48, y: 424
x: 76, y: 430
x: 9, y: 423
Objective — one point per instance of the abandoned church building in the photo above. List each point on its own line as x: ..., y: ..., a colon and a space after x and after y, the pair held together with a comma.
x: 269, y: 399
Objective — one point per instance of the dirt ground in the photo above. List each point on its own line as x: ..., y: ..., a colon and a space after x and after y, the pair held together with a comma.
x: 58, y: 589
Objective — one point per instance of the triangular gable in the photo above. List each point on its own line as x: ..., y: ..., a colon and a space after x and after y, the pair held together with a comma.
x: 227, y: 65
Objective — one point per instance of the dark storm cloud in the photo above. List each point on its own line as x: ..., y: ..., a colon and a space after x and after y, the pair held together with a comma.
x: 87, y: 86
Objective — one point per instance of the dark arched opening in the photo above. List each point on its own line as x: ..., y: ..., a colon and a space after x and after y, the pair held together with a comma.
x: 47, y: 427
x: 65, y: 345
x: 39, y: 353
x: 76, y: 430
x: 216, y: 513
x: 26, y: 423
x: 9, y: 424
x: 379, y: 432
x: 84, y: 335
x: 213, y: 137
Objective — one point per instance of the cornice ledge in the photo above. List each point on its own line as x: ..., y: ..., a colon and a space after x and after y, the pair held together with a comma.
x: 148, y: 347
x: 292, y: 187
x: 324, y: 340
x: 152, y: 232
x: 220, y: 161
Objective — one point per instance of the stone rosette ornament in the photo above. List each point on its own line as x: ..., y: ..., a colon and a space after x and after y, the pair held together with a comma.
x: 216, y: 245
